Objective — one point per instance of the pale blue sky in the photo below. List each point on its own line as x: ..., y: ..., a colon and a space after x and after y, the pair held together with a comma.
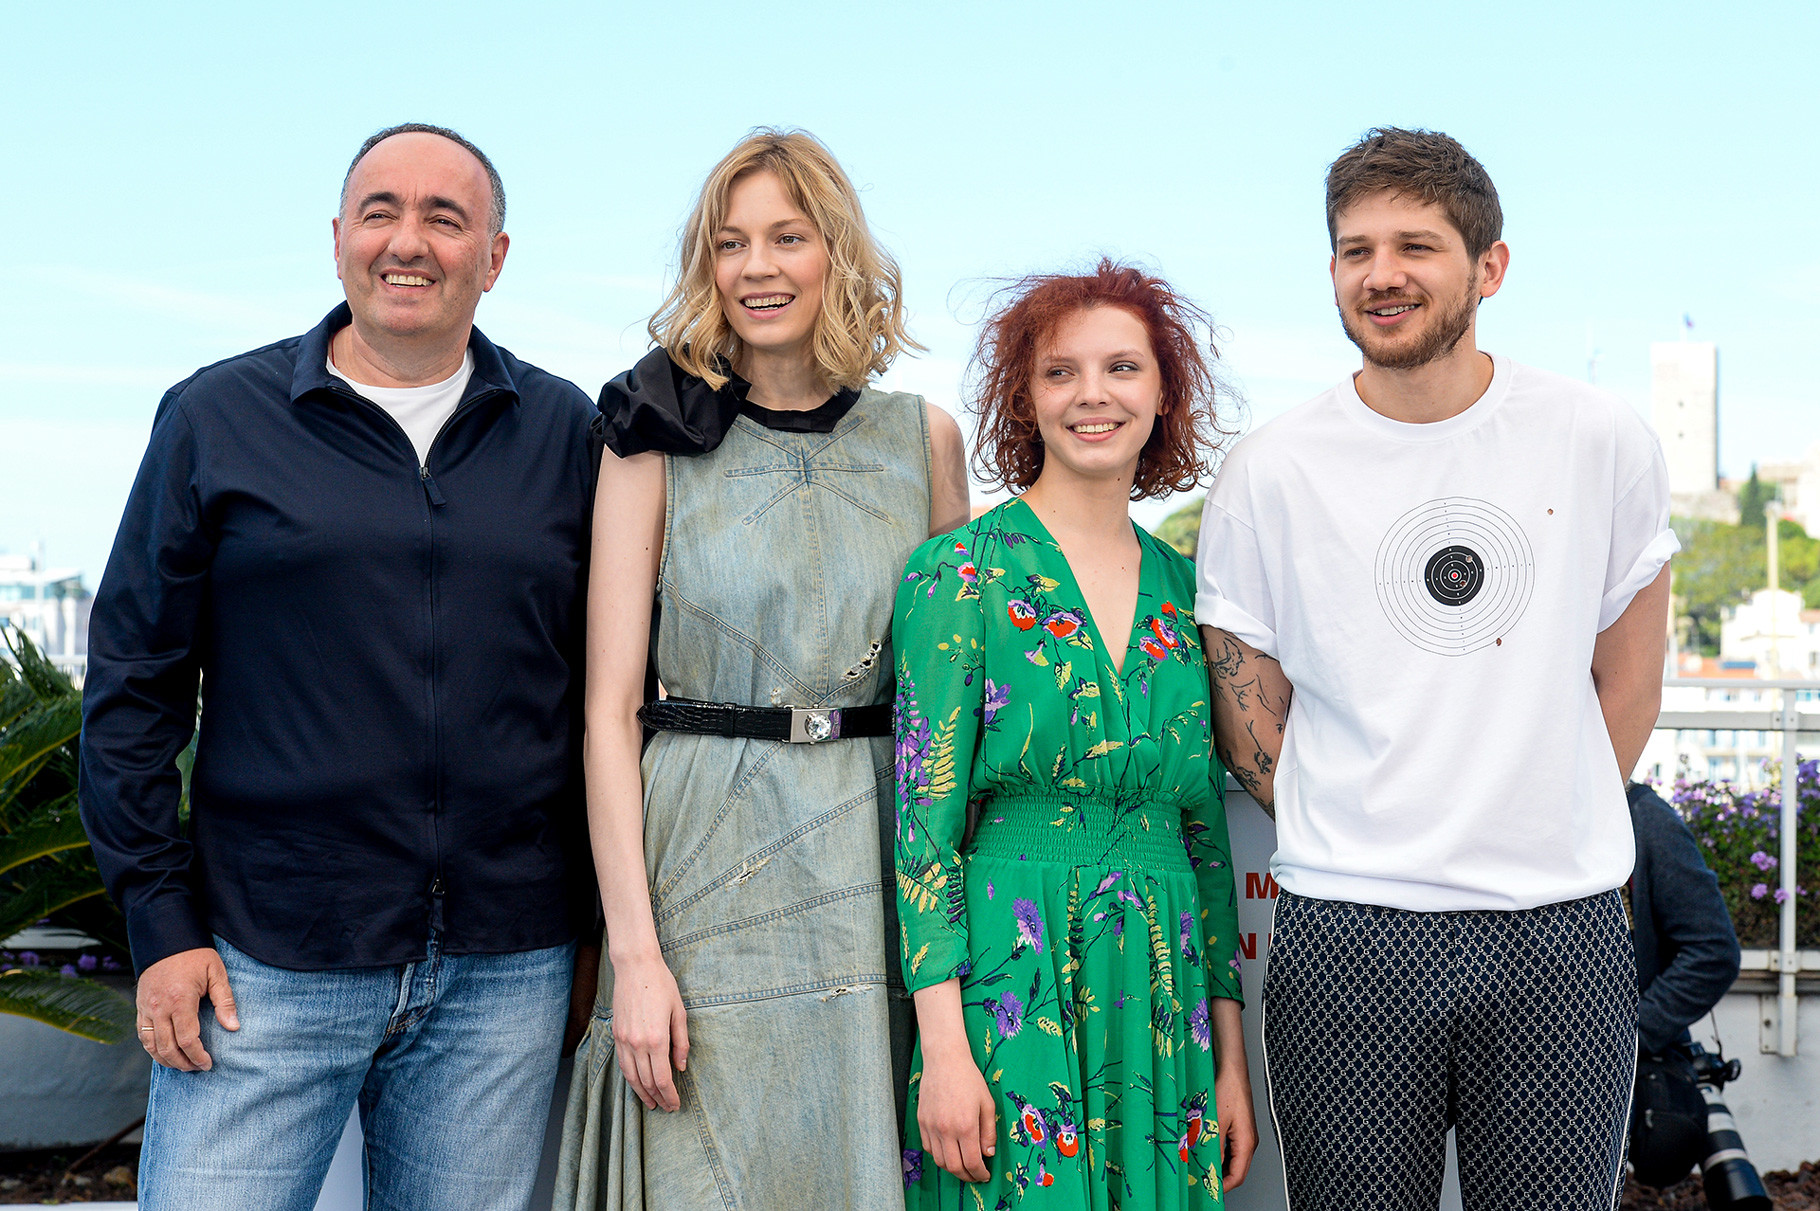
x: 175, y: 168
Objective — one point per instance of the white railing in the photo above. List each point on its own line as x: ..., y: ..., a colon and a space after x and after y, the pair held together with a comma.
x: 1779, y: 1011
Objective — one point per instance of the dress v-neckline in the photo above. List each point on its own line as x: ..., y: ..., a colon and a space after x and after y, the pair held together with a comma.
x: 1093, y: 624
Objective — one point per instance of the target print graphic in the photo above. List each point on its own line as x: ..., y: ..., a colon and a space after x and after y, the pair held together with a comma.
x: 1454, y: 575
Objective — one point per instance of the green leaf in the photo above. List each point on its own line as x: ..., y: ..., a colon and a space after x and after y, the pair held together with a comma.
x: 50, y: 884
x: 30, y: 740
x: 80, y: 1007
x: 37, y: 672
x: 55, y: 830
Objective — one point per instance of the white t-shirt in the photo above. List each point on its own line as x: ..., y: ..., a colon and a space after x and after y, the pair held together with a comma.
x: 420, y: 411
x: 1433, y: 593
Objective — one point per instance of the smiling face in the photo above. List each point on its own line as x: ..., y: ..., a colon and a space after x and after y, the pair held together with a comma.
x: 1096, y: 389
x: 769, y: 265
x: 1407, y: 290
x: 413, y: 247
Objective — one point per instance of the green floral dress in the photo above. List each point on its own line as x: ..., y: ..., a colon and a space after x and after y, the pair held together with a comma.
x: 1090, y: 915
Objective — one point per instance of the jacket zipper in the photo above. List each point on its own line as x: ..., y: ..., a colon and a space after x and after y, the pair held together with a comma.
x: 433, y: 494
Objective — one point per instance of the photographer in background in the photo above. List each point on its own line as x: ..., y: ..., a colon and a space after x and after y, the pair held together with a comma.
x: 1687, y: 957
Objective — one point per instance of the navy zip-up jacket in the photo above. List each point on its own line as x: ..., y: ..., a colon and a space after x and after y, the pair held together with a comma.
x: 390, y: 659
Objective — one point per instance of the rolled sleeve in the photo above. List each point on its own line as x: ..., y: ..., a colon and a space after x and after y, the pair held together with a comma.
x: 1641, y: 540
x: 1231, y: 580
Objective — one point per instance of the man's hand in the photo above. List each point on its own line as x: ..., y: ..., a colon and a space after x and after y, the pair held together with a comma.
x: 170, y: 998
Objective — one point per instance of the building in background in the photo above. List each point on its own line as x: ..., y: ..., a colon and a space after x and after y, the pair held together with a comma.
x: 1797, y: 484
x: 1684, y: 407
x: 1774, y: 634
x: 49, y: 605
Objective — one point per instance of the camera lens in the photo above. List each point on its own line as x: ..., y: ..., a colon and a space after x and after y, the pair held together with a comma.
x: 1731, y: 1180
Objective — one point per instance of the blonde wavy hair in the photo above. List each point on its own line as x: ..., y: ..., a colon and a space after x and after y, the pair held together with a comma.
x: 861, y: 325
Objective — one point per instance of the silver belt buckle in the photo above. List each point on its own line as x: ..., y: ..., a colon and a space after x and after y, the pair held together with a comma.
x: 811, y: 726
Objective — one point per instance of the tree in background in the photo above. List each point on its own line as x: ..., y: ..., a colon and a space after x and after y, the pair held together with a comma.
x: 1752, y: 497
x: 47, y: 872
x: 1719, y: 566
x: 1182, y: 528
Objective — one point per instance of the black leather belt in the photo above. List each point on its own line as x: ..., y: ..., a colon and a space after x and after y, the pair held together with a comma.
x: 790, y: 724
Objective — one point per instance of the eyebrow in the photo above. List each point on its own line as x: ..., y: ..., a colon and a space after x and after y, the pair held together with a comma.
x: 385, y: 197
x: 797, y: 221
x: 1432, y: 236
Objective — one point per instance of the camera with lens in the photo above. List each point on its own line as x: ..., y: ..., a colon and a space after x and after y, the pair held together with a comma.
x: 1731, y: 1180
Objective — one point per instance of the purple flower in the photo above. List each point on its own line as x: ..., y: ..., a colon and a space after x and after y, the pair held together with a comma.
x: 1029, y: 922
x: 997, y: 698
x: 1199, y: 1026
x: 1761, y: 860
x: 1759, y: 890
x: 912, y: 742
x: 1781, y: 895
x: 1107, y: 882
x: 28, y: 958
x: 989, y: 892
x: 1188, y: 951
x: 913, y: 1166
x: 1009, y: 1011
x: 88, y: 963
x: 66, y: 970
x: 110, y: 963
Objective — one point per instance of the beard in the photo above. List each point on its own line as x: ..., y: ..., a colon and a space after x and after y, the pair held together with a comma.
x: 1445, y: 328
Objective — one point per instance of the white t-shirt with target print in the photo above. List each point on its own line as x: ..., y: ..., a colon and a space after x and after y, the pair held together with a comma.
x: 1433, y: 593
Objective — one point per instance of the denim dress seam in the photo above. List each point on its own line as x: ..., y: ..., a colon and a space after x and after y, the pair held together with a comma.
x: 733, y: 872
x: 776, y: 914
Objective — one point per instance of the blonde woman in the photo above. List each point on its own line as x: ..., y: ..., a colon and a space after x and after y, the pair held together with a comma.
x: 753, y: 517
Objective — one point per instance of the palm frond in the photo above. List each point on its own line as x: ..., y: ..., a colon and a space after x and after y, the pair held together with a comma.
x: 49, y: 884
x: 37, y: 672
x: 55, y: 829
x: 78, y: 1006
x: 32, y: 738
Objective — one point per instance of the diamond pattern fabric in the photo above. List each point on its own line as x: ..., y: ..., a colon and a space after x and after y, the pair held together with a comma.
x: 1383, y: 1028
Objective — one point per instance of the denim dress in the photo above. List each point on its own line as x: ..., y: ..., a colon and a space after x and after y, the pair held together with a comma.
x: 773, y: 898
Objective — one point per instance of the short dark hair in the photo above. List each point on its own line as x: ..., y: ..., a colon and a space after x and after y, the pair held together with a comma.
x: 496, y: 224
x: 1422, y: 164
x: 1009, y: 448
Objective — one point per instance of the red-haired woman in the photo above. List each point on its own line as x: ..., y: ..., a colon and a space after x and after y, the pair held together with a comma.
x: 1073, y: 960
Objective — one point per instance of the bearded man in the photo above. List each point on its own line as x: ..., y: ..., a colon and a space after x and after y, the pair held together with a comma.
x: 1434, y: 601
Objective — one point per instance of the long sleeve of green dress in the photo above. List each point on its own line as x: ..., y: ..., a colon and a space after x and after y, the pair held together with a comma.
x: 939, y: 664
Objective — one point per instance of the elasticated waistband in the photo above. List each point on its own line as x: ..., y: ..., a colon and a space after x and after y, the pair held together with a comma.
x: 1083, y: 830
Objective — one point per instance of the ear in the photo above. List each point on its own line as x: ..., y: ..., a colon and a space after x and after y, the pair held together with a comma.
x: 1492, y: 268
x: 501, y: 242
x: 335, y: 231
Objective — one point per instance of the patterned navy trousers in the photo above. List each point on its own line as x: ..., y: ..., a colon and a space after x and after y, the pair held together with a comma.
x: 1383, y: 1028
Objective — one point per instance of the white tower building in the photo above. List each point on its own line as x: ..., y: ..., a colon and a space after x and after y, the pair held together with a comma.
x: 1684, y: 406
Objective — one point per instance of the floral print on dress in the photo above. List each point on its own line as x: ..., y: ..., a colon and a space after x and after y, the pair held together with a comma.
x: 1089, y: 910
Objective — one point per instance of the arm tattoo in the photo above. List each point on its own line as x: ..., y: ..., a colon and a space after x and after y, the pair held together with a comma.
x: 1244, y: 702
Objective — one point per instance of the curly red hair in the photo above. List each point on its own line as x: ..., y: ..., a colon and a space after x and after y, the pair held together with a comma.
x: 1008, y: 452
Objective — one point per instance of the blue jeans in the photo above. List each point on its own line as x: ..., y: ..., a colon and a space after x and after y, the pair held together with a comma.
x: 451, y: 1060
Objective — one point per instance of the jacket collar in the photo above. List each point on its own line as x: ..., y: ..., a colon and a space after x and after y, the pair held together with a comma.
x: 312, y: 370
